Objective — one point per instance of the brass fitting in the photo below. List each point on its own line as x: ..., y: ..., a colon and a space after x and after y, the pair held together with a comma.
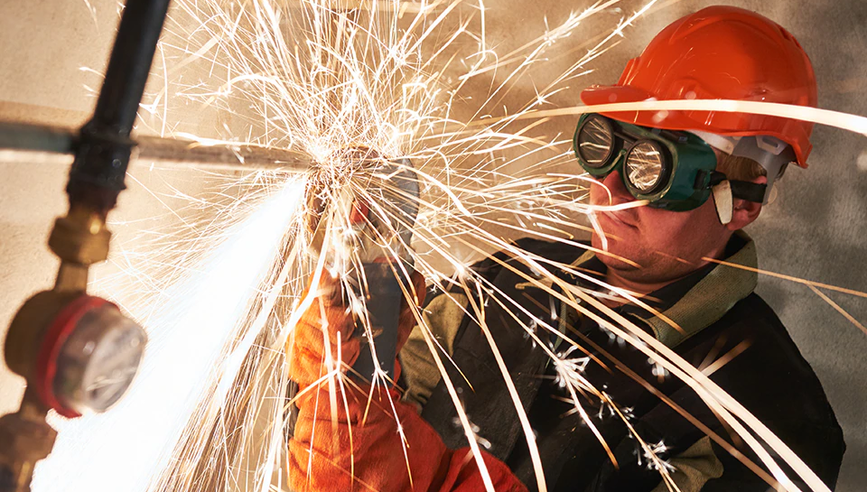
x: 25, y: 335
x: 26, y: 439
x: 81, y: 237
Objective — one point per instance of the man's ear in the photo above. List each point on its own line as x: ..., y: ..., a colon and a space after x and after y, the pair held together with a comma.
x: 744, y: 212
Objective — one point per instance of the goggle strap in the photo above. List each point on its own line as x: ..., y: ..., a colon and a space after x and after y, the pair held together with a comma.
x: 745, y: 190
x: 749, y: 191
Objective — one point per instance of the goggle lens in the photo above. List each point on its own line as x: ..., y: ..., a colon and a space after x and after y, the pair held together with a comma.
x: 670, y: 169
x: 645, y: 165
x: 596, y: 142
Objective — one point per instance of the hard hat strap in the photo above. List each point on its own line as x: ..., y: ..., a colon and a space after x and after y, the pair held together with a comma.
x: 773, y: 154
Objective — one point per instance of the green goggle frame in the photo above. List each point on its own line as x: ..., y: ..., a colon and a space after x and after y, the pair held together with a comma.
x: 672, y: 170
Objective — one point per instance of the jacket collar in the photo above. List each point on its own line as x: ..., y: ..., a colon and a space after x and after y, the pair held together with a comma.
x: 698, y: 300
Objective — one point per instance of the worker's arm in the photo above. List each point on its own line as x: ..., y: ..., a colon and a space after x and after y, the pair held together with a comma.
x: 347, y: 438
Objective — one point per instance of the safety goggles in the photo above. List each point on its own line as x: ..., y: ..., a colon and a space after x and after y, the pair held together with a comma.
x: 672, y: 170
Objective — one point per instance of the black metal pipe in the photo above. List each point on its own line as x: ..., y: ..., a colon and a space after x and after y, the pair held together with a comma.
x: 104, y: 147
x: 172, y: 152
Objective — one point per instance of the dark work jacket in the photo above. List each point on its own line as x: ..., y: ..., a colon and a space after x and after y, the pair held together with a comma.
x: 749, y: 351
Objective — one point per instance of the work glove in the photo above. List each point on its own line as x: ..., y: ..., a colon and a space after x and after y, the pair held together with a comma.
x: 349, y: 437
x: 328, y: 327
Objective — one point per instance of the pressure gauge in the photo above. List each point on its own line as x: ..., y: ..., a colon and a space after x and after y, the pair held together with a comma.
x: 89, y: 358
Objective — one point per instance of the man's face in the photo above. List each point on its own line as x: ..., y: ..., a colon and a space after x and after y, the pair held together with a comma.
x: 667, y: 245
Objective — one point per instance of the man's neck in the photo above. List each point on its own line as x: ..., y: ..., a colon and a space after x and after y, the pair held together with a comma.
x: 643, y: 287
x: 639, y: 288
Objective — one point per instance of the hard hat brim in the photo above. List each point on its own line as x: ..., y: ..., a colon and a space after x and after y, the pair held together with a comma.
x: 730, y: 124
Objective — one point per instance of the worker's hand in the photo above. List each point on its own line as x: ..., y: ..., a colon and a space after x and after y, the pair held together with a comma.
x: 313, y: 344
x: 349, y: 437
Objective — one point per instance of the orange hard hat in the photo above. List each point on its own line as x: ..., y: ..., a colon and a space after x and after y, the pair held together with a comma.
x: 719, y: 53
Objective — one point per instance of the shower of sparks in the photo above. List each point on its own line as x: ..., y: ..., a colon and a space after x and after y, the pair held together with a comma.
x: 329, y: 79
x: 197, y: 318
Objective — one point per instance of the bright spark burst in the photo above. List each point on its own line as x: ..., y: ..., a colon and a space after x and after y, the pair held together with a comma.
x: 197, y: 319
x: 321, y: 77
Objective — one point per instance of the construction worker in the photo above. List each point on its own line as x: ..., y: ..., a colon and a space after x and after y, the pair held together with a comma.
x: 705, y: 176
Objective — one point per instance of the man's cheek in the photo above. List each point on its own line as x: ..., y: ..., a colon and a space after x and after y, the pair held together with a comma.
x: 655, y: 234
x: 597, y: 196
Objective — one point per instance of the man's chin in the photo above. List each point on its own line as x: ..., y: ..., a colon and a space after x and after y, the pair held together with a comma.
x: 620, y: 257
x: 614, y: 262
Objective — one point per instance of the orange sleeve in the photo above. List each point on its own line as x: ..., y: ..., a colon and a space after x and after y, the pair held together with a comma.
x: 346, y: 451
